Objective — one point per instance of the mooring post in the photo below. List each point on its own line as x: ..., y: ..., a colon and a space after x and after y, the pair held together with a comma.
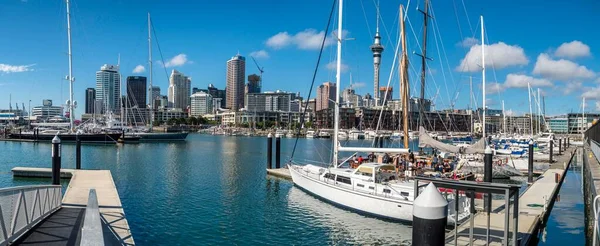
x: 78, y: 152
x: 269, y: 151
x: 530, y: 163
x: 487, y: 174
x: 430, y: 216
x: 551, y: 149
x: 560, y: 146
x: 56, y: 149
x: 277, y: 152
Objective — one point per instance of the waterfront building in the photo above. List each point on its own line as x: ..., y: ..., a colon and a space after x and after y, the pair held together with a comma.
x: 414, y: 105
x: 217, y: 104
x: 233, y: 118
x: 196, y: 89
x: 325, y: 118
x: 269, y: 101
x: 155, y: 91
x: 90, y: 100
x: 253, y: 85
x: 180, y: 90
x: 201, y: 104
x: 368, y: 101
x: 559, y: 125
x: 163, y: 102
x: 108, y: 88
x: 518, y: 124
x: 165, y: 114
x: 325, y: 96
x: 236, y: 73
x: 578, y: 122
x: 46, y: 111
x: 385, y: 94
x: 136, y: 91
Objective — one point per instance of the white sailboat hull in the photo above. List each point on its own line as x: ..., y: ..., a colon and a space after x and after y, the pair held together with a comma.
x: 378, y: 206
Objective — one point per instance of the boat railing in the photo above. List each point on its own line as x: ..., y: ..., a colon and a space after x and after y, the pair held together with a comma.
x: 26, y: 207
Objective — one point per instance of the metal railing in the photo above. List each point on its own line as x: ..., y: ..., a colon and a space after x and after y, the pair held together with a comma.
x: 23, y: 207
x: 595, y: 237
x: 91, y: 232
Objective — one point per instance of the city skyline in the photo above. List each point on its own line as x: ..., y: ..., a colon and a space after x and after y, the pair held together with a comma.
x: 562, y: 65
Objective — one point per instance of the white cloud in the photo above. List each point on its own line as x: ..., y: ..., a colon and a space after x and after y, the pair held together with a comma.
x: 597, y: 105
x: 139, y: 69
x: 333, y: 65
x: 468, y: 42
x: 509, y: 112
x: 591, y: 93
x: 308, y: 39
x: 598, y: 80
x: 177, y: 61
x: 259, y: 54
x: 573, y: 49
x: 498, y: 55
x: 562, y: 69
x: 520, y: 81
x: 7, y: 68
x: 494, y: 87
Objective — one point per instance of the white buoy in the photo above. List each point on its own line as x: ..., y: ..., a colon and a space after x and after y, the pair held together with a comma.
x: 430, y: 217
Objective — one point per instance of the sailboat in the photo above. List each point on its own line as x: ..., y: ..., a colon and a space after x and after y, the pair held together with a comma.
x: 149, y: 135
x: 70, y: 135
x: 371, y: 188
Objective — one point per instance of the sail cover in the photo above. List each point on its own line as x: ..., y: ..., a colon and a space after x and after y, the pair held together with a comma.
x: 427, y: 141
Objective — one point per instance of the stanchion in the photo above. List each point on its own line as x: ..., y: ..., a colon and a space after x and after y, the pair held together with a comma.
x: 269, y: 151
x: 78, y: 152
x: 56, y: 149
x: 277, y: 152
x: 530, y: 163
x: 430, y: 216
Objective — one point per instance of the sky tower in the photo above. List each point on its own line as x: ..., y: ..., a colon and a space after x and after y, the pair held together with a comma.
x: 377, y: 49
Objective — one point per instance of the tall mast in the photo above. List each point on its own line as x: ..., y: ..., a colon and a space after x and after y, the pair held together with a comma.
x: 483, y: 73
x: 150, y: 68
x: 471, y: 100
x: 423, y: 63
x: 336, y: 124
x: 503, y: 119
x: 404, y: 78
x: 539, y: 111
x: 70, y: 78
x: 530, y: 111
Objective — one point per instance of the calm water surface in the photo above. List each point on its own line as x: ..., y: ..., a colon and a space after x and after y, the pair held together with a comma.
x: 211, y: 190
x: 214, y: 190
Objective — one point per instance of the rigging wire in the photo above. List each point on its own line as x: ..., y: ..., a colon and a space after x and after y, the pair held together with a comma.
x: 159, y: 49
x: 313, y: 79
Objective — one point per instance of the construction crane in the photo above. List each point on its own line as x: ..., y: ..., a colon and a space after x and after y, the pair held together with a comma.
x: 260, y: 69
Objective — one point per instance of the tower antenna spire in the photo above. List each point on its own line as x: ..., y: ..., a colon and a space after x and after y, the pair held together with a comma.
x: 377, y: 49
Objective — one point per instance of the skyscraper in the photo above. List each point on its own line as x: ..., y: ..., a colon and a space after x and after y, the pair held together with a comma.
x: 136, y: 91
x: 180, y: 90
x: 325, y: 96
x: 377, y: 49
x: 155, y: 93
x: 236, y: 73
x: 90, y: 100
x: 201, y: 104
x: 108, y: 88
x: 253, y: 85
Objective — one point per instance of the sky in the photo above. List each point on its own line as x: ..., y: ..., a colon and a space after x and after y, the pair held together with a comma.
x: 550, y: 44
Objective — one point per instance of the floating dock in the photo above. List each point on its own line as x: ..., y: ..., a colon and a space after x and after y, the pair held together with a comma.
x: 535, y: 205
x: 76, y: 196
x: 280, y: 172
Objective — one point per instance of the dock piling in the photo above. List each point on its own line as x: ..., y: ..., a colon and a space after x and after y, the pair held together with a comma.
x: 487, y: 177
x: 77, y: 152
x: 560, y: 146
x: 269, y: 151
x: 56, y: 149
x: 530, y: 163
x: 277, y: 152
x: 551, y: 143
x: 430, y: 216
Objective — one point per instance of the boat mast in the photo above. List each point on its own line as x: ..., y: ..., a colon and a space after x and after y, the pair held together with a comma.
x: 503, y: 118
x: 404, y: 78
x: 423, y: 64
x: 471, y: 100
x: 336, y: 124
x: 530, y: 111
x: 483, y: 74
x: 70, y: 78
x: 150, y: 68
x: 539, y: 116
x: 584, y: 123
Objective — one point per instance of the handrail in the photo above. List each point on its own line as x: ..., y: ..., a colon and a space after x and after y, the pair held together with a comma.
x: 27, y: 206
x: 91, y: 232
x: 594, y: 239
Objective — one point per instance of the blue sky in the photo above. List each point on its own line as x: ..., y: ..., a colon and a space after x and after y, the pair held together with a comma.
x: 551, y: 44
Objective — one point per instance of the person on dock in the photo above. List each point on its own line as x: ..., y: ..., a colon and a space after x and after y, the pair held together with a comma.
x: 360, y: 159
x: 386, y: 158
x: 411, y: 156
x: 434, y: 162
x: 371, y: 157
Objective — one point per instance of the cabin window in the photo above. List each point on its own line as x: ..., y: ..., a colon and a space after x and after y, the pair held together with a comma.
x: 371, y: 187
x: 329, y: 176
x: 360, y: 185
x: 404, y: 193
x: 344, y: 180
x: 387, y: 191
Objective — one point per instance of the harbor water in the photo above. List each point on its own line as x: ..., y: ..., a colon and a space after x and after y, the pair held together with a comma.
x: 213, y: 189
